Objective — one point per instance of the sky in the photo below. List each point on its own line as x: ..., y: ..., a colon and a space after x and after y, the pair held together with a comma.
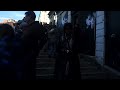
x: 16, y: 15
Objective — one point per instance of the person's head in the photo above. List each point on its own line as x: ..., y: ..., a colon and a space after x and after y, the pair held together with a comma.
x: 68, y: 28
x: 6, y: 31
x: 19, y: 22
x: 29, y: 16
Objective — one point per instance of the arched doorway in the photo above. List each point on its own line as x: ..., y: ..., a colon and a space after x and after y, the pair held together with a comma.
x: 90, y: 33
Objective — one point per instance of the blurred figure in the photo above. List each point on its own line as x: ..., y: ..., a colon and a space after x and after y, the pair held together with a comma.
x: 21, y: 24
x: 52, y: 41
x: 80, y: 38
x: 43, y: 37
x: 115, y: 49
x: 67, y: 61
x: 17, y: 29
x: 7, y: 53
x: 31, y: 39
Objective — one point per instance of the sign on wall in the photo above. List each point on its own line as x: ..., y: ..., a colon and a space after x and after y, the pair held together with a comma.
x: 65, y: 17
x: 90, y: 21
x: 59, y: 23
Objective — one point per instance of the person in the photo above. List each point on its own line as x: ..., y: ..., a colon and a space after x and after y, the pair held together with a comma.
x: 18, y: 29
x: 8, y: 53
x: 23, y: 25
x: 114, y: 50
x: 43, y: 38
x: 78, y: 37
x: 52, y: 41
x: 67, y: 61
x: 90, y: 35
x: 32, y: 34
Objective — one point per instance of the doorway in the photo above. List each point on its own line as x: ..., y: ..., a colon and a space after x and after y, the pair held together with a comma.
x: 89, y: 34
x: 112, y: 39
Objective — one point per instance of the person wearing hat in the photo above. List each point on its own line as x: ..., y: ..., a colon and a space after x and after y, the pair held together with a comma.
x: 32, y: 34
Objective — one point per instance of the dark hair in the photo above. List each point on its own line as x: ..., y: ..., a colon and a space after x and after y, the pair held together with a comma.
x: 19, y: 22
x: 6, y: 30
x: 68, y: 26
x: 30, y: 13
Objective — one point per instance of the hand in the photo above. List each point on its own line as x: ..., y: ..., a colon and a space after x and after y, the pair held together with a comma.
x: 23, y: 24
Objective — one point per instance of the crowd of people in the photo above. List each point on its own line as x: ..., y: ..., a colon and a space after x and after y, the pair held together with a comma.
x: 65, y: 45
x: 19, y: 47
x: 21, y: 44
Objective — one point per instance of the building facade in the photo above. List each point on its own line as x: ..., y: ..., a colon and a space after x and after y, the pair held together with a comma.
x: 52, y: 17
x: 11, y: 22
x: 105, y: 30
x: 63, y: 17
x: 107, y: 48
x: 98, y: 31
x: 100, y: 37
x: 86, y: 21
x: 8, y: 20
x: 44, y: 18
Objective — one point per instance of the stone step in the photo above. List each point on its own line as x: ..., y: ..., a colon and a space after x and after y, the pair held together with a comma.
x: 42, y: 50
x: 38, y: 60
x: 42, y: 56
x: 45, y: 77
x: 84, y: 62
x: 93, y: 73
x: 90, y: 61
x: 89, y: 71
x: 94, y: 77
x: 43, y: 53
x: 88, y: 58
x: 87, y: 63
x: 42, y: 71
x: 45, y: 64
x: 91, y: 67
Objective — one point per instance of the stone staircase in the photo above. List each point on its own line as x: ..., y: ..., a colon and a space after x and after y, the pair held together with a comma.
x: 44, y: 66
x: 90, y: 69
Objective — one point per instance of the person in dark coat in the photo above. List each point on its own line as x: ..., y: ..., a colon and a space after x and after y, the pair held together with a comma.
x: 67, y: 61
x: 44, y: 38
x: 31, y: 37
x: 8, y: 53
x: 52, y: 38
x: 115, y: 50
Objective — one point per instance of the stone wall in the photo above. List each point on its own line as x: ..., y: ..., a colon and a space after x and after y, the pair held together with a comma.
x: 100, y: 39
